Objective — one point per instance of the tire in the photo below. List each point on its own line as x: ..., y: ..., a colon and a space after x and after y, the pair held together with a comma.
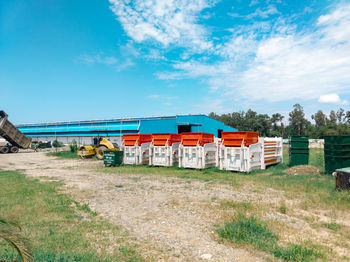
x: 99, y: 152
x: 14, y: 149
x: 4, y: 149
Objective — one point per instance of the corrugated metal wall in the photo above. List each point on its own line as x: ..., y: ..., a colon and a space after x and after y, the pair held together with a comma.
x: 84, y: 130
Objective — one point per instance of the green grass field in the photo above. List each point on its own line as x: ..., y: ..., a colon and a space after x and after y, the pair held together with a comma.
x: 59, y: 228
x: 317, y: 189
x: 65, y: 155
x: 312, y: 192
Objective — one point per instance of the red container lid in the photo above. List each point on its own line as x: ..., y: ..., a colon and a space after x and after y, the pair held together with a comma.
x: 193, y: 139
x: 136, y: 139
x: 235, y: 138
x: 161, y: 139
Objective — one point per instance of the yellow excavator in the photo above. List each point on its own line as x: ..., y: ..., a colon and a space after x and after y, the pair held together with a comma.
x: 98, y: 146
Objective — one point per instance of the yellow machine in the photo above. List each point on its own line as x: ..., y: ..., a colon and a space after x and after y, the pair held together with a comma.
x: 99, y: 145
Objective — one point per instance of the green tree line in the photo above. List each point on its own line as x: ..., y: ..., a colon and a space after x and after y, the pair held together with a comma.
x: 336, y: 123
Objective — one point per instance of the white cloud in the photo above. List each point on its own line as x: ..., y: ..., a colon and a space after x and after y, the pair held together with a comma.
x: 127, y: 63
x: 285, y: 64
x: 162, y: 97
x: 154, y: 96
x: 97, y: 59
x: 164, y: 21
x: 111, y: 61
x: 302, y: 65
x: 253, y: 2
x: 264, y: 13
x: 155, y: 54
x: 332, y: 99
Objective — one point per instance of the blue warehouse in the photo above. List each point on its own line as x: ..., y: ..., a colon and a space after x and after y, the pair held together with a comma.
x: 83, y: 131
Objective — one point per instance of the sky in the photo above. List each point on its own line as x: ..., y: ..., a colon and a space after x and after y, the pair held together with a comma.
x: 63, y: 60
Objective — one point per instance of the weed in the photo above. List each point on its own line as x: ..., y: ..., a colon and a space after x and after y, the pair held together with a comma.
x: 294, y: 252
x: 333, y: 226
x: 252, y: 231
x: 248, y: 230
x: 236, y: 205
x: 283, y: 208
x: 65, y: 154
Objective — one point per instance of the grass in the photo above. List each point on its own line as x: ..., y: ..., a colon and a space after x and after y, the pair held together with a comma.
x: 254, y: 232
x: 283, y: 208
x: 313, y: 192
x: 59, y: 228
x: 65, y: 155
x: 235, y: 205
x: 315, y: 189
x: 332, y: 226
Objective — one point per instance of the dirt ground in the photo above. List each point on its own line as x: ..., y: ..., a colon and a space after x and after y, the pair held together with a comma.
x: 172, y: 219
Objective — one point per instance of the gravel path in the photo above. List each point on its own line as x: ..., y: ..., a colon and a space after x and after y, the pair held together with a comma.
x: 173, y: 219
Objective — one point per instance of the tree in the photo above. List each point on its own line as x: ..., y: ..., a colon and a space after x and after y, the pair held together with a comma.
x: 340, y: 115
x: 277, y: 125
x: 297, y: 121
x: 332, y: 118
x: 347, y: 117
x: 320, y: 124
x: 337, y: 123
x: 320, y: 119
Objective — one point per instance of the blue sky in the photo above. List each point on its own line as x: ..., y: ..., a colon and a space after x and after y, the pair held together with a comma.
x: 64, y: 60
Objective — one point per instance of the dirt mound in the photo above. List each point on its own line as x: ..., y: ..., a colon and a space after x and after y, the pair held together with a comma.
x: 302, y: 170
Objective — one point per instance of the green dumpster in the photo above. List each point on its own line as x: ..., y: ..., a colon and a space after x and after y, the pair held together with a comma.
x: 299, y: 142
x: 298, y: 156
x: 298, y: 150
x: 113, y: 158
x: 336, y: 152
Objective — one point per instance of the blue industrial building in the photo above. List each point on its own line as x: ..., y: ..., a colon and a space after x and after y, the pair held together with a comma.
x: 83, y: 131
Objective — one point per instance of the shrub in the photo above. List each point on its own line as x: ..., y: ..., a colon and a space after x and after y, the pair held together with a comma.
x: 73, y: 146
x: 56, y: 144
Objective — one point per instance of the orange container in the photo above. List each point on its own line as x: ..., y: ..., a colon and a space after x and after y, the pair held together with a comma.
x: 193, y: 139
x: 136, y: 139
x: 236, y: 138
x: 161, y: 139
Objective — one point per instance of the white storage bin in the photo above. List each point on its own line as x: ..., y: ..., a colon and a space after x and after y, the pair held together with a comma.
x: 136, y: 155
x: 241, y: 159
x: 198, y: 157
x: 164, y: 155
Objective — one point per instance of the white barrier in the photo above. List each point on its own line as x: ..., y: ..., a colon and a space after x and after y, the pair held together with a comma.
x: 198, y: 157
x: 136, y: 155
x: 272, y: 150
x: 164, y: 155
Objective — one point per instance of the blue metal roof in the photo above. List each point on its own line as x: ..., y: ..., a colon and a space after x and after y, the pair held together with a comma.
x: 146, y: 125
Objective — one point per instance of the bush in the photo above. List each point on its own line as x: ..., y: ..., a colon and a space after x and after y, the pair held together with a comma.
x: 56, y: 144
x: 73, y: 146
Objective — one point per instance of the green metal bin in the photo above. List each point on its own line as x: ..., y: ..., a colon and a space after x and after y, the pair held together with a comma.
x: 298, y: 156
x: 336, y: 162
x: 336, y: 152
x: 299, y: 142
x: 113, y: 158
